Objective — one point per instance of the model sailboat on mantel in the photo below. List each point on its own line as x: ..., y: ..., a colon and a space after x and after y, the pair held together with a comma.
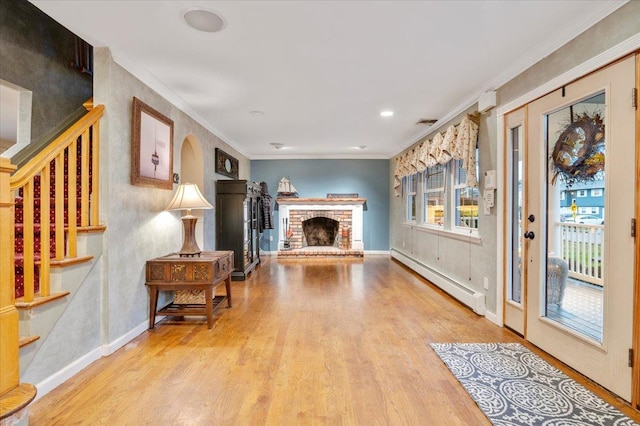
x: 286, y: 189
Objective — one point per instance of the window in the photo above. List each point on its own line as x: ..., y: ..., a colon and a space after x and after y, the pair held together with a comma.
x: 596, y: 192
x: 582, y: 193
x: 465, y: 199
x: 445, y: 202
x: 412, y: 187
x: 434, y: 184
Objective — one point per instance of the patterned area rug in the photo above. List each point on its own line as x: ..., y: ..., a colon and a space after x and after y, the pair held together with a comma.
x: 513, y: 386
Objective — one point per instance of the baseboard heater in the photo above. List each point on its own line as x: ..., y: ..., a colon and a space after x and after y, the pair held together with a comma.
x: 469, y: 297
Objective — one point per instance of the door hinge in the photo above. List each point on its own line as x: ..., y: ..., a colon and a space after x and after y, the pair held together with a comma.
x: 634, y: 98
x: 630, y: 357
x: 633, y: 227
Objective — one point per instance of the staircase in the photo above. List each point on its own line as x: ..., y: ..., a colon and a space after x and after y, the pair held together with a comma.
x: 37, y: 212
x: 45, y: 205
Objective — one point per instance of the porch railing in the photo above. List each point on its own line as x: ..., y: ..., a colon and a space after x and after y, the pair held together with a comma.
x: 582, y: 249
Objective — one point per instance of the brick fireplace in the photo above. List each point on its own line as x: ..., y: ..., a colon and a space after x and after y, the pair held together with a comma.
x: 320, y: 227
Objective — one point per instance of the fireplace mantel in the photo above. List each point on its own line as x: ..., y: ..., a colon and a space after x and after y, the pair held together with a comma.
x: 323, y: 201
x: 353, y: 205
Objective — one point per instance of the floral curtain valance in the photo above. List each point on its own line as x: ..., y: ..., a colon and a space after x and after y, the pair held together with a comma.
x: 457, y: 143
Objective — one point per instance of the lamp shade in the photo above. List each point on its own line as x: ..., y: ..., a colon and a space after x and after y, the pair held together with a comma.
x: 188, y: 197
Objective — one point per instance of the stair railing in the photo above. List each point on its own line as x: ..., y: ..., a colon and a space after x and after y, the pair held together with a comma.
x: 86, y: 132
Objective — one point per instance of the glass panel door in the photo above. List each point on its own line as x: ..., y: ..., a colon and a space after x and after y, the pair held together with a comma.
x: 580, y: 188
x: 517, y: 210
x: 576, y: 147
x: 515, y: 296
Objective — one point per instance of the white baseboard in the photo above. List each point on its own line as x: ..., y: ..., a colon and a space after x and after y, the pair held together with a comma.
x: 110, y: 348
x: 467, y: 296
x: 65, y: 373
x: 493, y: 317
x: 385, y: 252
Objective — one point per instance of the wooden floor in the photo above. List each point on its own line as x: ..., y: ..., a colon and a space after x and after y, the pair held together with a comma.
x: 307, y: 342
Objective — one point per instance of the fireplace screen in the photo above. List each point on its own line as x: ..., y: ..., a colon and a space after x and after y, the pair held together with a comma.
x: 320, y: 231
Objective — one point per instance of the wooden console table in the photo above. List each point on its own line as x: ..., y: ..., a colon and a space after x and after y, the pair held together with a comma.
x: 205, y: 273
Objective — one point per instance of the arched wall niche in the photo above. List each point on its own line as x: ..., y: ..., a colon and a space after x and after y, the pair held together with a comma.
x: 192, y: 171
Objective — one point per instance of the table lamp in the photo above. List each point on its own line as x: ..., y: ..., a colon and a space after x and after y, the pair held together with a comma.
x: 188, y: 197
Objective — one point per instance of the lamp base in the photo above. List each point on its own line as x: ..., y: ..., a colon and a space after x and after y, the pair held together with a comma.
x: 189, y: 245
x: 189, y: 254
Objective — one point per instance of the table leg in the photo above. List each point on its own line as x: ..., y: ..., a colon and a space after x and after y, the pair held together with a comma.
x: 208, y: 297
x: 153, y: 305
x: 227, y: 284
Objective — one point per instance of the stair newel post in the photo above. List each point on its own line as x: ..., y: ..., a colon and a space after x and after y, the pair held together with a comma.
x: 59, y: 206
x: 95, y: 174
x: 45, y: 230
x: 72, y: 194
x: 10, y: 376
x: 84, y: 179
x: 28, y: 241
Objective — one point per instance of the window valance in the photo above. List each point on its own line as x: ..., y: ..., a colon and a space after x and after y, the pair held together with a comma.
x: 457, y: 143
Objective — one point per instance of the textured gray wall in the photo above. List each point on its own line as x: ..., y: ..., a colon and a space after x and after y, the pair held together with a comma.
x: 36, y: 53
x: 137, y: 227
x: 468, y: 263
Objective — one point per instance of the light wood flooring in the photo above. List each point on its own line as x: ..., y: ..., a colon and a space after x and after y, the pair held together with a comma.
x: 307, y: 342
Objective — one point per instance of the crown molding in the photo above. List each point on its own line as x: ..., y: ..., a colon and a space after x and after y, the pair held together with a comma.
x: 618, y: 51
x: 154, y: 83
x: 321, y: 157
x: 597, y: 11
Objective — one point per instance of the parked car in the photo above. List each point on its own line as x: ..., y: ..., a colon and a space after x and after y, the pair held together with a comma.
x: 566, y: 217
x: 587, y: 219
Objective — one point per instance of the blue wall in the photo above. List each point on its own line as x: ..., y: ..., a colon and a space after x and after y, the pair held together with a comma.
x: 316, y: 178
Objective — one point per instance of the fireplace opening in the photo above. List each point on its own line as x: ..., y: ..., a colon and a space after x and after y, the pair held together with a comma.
x: 320, y: 231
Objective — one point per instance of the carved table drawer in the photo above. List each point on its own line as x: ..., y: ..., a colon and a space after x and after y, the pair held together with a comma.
x: 224, y: 266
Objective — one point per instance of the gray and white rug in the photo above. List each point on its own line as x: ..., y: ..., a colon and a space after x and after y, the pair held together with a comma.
x: 514, y: 386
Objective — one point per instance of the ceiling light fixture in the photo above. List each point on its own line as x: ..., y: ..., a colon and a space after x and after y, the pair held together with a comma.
x: 256, y: 113
x: 386, y: 113
x: 204, y: 20
x: 361, y: 147
x: 277, y: 145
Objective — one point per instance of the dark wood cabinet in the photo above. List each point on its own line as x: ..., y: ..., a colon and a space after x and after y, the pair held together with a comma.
x: 237, y: 212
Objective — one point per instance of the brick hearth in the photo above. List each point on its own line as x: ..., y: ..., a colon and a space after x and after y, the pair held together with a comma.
x: 296, y: 217
x: 348, y: 214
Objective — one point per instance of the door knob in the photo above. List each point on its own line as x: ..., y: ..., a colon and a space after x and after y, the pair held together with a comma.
x: 530, y: 235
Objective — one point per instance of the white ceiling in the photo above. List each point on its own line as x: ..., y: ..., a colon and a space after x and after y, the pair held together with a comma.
x: 321, y: 71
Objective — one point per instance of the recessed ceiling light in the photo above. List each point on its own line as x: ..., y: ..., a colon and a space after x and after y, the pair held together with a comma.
x: 361, y: 147
x: 204, y: 20
x: 277, y: 145
x: 386, y: 113
x: 256, y: 112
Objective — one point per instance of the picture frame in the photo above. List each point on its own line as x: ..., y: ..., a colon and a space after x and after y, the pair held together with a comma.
x: 151, y: 147
x: 226, y: 164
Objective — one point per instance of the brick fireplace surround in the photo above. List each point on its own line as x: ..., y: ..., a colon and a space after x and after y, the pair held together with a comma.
x: 347, y: 211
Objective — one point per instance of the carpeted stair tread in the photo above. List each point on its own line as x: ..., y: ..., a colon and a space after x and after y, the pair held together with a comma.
x: 37, y: 203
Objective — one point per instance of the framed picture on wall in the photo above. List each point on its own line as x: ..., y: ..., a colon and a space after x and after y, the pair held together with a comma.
x: 151, y: 147
x: 226, y: 164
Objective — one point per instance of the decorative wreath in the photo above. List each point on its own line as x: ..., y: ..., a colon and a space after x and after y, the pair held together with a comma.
x: 578, y: 155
